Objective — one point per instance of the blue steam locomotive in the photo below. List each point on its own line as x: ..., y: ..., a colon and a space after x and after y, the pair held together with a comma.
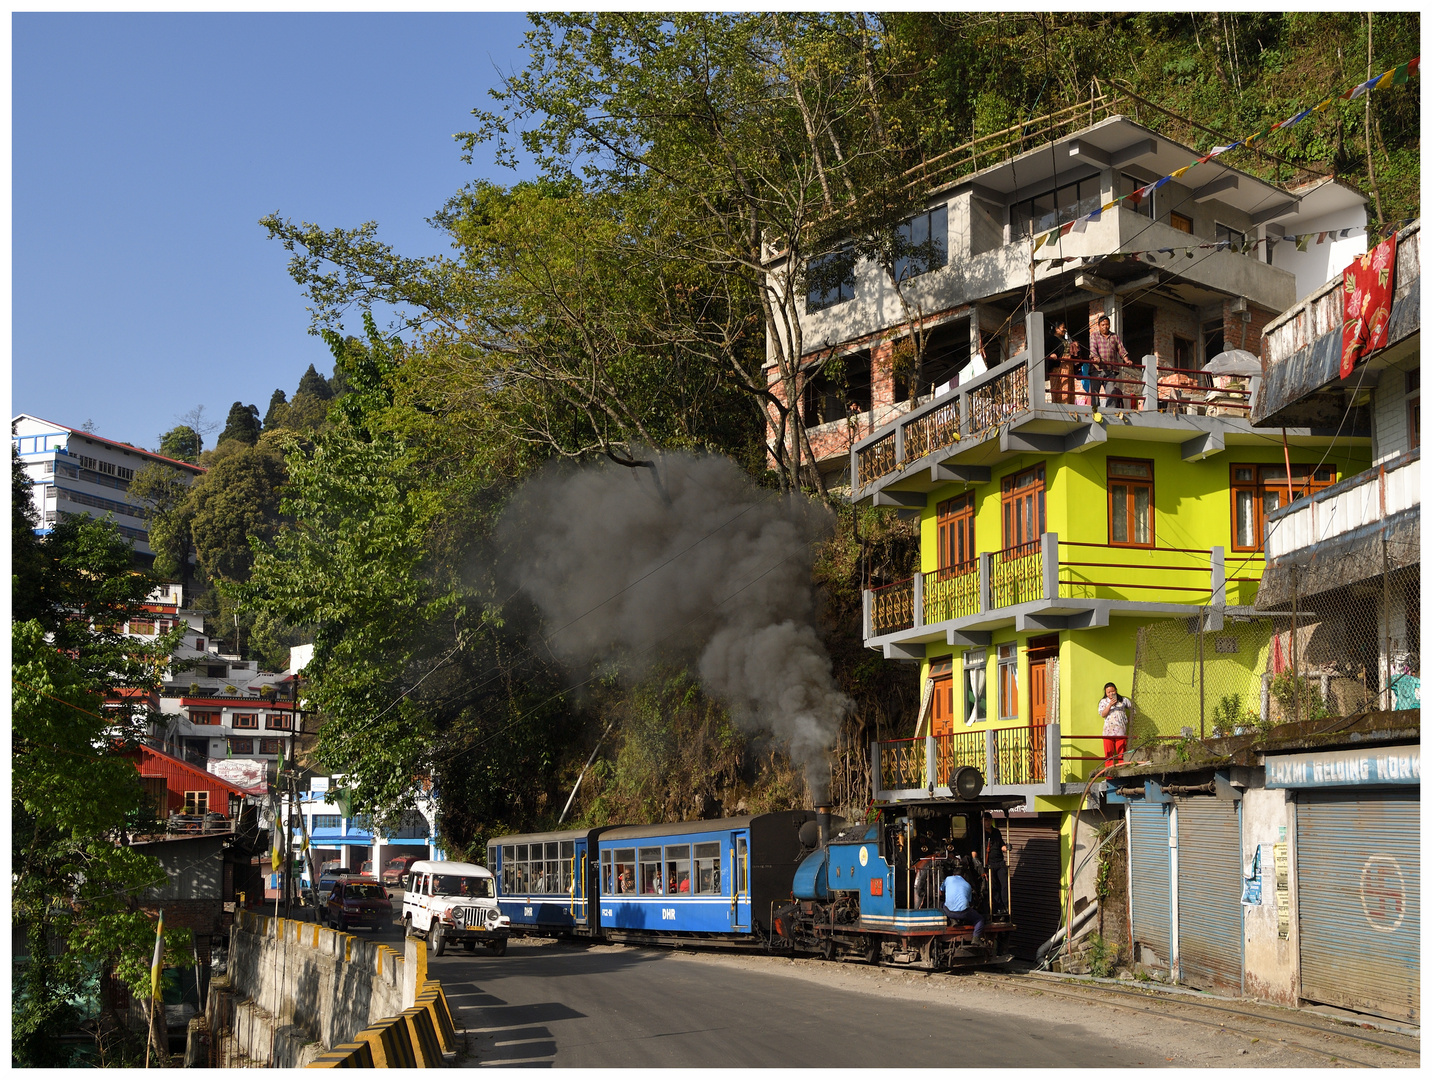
x: 795, y: 881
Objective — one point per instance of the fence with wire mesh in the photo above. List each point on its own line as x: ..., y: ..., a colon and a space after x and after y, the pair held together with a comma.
x: 1335, y: 653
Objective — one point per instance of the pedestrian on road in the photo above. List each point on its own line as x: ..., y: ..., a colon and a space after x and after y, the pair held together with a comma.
x: 1116, y: 711
x: 959, y: 903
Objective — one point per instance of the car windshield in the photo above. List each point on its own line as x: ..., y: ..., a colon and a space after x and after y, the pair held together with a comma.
x: 457, y: 885
x: 367, y: 892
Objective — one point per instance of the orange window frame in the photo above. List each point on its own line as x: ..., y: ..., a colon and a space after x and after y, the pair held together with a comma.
x: 247, y: 721
x: 1022, y: 507
x: 955, y: 533
x: 1130, y: 483
x: 1008, y: 682
x: 1265, y: 487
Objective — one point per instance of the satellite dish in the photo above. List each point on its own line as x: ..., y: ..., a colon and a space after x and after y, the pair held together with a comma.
x: 1234, y: 362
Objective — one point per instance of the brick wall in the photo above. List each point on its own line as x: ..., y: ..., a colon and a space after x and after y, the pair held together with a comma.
x: 1238, y: 334
x: 203, y: 917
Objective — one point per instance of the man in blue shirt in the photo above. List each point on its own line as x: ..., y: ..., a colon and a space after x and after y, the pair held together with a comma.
x: 960, y: 904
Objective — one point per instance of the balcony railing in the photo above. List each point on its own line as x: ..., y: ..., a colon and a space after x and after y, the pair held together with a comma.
x: 1026, y: 757
x: 975, y: 408
x: 1051, y: 569
x: 1354, y: 503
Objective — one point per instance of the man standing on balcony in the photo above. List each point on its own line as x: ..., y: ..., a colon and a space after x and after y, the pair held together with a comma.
x: 1115, y: 710
x: 1107, y: 351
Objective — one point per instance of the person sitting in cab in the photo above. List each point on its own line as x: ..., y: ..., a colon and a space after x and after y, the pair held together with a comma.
x: 959, y: 905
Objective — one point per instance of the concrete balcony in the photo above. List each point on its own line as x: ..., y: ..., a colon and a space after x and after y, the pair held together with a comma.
x: 1302, y: 384
x: 1052, y: 585
x: 1345, y: 533
x: 1015, y: 409
x: 1021, y: 760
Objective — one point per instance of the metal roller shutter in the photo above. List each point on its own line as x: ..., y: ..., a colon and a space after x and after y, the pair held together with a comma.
x: 1359, y: 901
x: 1149, y: 886
x: 1034, y: 883
x: 1210, y: 895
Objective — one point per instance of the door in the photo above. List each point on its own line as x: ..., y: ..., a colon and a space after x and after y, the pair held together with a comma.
x: 1034, y: 883
x: 1210, y: 895
x: 1358, y: 885
x: 1150, y: 892
x: 1043, y: 656
x: 741, y: 881
x: 578, y: 873
x: 942, y: 705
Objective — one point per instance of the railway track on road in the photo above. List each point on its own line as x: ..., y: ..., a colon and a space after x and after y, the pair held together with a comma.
x: 1106, y: 995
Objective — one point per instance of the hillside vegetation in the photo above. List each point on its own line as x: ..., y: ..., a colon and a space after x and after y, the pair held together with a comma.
x: 616, y: 309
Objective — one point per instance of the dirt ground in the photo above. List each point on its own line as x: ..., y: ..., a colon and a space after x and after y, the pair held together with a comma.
x: 1170, y: 1034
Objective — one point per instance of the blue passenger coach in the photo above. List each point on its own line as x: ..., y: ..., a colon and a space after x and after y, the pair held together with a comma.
x: 718, y: 880
x: 545, y: 880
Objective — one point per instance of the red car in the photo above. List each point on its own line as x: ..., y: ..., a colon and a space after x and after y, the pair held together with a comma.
x: 358, y: 901
x: 394, y: 869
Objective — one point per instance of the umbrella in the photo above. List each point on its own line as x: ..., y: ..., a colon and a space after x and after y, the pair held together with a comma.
x: 1234, y: 362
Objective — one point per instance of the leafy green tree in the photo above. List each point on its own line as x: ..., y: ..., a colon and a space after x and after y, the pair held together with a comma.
x: 73, y: 881
x: 182, y: 443
x: 26, y: 556
x: 243, y: 425
x: 277, y: 407
x: 238, y: 498
x: 169, y: 514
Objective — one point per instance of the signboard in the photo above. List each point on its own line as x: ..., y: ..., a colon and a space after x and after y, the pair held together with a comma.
x: 1280, y: 887
x: 1345, y: 768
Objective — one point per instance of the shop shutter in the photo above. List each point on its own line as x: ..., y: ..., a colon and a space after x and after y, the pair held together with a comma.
x: 1210, y: 895
x: 1359, y: 900
x: 1034, y: 882
x: 1149, y: 886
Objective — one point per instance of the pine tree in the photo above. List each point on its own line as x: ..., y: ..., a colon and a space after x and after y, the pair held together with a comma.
x: 243, y: 424
x: 314, y: 384
x: 276, y: 403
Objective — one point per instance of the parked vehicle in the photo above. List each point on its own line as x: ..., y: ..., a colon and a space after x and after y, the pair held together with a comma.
x: 454, y: 901
x: 395, y: 869
x: 358, y: 901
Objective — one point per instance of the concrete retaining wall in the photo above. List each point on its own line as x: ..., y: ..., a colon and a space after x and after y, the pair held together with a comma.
x: 295, y: 989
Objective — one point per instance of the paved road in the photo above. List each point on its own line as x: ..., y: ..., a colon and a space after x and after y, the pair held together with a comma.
x: 546, y: 1004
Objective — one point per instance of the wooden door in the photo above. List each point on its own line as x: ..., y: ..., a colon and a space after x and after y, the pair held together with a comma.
x: 1038, y: 693
x: 942, y: 705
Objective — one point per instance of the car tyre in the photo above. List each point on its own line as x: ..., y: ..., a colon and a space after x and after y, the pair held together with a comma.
x: 499, y: 948
x: 341, y: 924
x: 407, y: 924
x: 437, y: 939
x: 470, y: 946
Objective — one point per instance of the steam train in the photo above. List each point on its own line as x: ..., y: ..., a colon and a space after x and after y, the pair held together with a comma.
x: 795, y: 881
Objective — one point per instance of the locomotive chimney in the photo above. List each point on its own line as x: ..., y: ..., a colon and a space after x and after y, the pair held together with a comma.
x: 822, y: 822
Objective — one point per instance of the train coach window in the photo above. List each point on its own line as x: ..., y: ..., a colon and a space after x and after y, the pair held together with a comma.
x: 741, y: 885
x: 649, y: 859
x: 678, y: 870
x: 625, y: 860
x: 959, y: 827
x: 607, y: 889
x: 569, y: 849
x: 708, y: 869
x: 509, y: 869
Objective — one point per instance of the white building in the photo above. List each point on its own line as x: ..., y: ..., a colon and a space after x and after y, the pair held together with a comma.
x: 78, y: 472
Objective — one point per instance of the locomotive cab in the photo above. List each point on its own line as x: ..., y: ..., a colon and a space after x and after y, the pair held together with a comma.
x: 873, y: 890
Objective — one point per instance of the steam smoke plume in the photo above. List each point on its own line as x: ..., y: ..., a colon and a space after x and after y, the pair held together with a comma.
x: 694, y: 563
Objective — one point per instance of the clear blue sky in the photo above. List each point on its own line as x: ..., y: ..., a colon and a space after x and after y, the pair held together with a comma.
x: 145, y: 149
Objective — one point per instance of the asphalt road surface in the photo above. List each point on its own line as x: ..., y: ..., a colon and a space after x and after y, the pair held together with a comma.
x: 550, y: 1004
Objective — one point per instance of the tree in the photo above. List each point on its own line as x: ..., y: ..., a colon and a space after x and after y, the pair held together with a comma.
x: 243, y: 425
x: 277, y: 406
x: 182, y: 443
x: 236, y: 499
x: 73, y: 884
x: 169, y: 513
x: 26, y: 556
x: 314, y: 385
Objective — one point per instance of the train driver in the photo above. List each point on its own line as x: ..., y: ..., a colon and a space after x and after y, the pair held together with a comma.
x: 959, y: 903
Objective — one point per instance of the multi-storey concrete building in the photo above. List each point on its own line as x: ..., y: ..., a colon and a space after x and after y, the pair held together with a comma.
x: 78, y: 472
x: 1057, y: 517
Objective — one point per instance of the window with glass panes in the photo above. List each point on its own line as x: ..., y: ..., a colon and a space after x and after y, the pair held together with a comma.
x: 955, y: 534
x: 924, y: 243
x: 1054, y: 207
x: 830, y: 278
x: 974, y: 686
x: 706, y: 859
x: 1258, y: 490
x: 678, y: 869
x: 1131, y: 502
x: 649, y: 870
x: 1008, y: 682
x: 1023, y: 497
x: 624, y: 870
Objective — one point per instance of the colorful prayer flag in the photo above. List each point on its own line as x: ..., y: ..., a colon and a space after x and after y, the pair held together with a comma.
x: 156, y: 966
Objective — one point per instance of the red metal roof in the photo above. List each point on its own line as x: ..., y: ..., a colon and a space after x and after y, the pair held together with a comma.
x: 176, y: 771
x: 121, y: 445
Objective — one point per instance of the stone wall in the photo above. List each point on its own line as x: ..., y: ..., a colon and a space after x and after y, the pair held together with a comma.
x: 297, y: 989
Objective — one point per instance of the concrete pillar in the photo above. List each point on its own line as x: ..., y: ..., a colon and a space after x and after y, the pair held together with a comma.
x: 1049, y: 558
x: 415, y: 969
x: 378, y: 857
x: 917, y: 602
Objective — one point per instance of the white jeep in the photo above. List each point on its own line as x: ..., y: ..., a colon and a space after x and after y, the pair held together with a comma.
x: 454, y: 901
